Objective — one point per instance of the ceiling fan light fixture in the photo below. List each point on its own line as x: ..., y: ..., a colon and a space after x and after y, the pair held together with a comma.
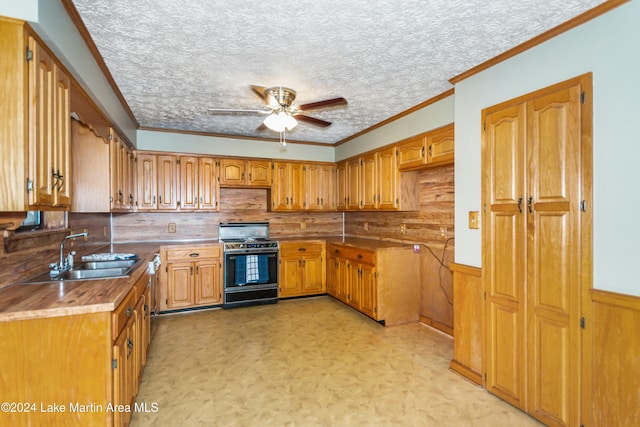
x: 279, y: 121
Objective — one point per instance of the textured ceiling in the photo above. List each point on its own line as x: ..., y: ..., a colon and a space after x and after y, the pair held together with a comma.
x: 173, y: 59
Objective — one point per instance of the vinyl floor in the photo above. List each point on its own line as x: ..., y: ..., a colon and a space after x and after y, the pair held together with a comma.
x: 307, y: 362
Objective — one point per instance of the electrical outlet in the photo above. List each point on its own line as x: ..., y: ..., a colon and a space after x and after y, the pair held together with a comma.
x: 172, y: 227
x: 303, y: 226
x: 416, y: 248
x: 403, y: 229
x: 366, y: 226
x: 443, y: 231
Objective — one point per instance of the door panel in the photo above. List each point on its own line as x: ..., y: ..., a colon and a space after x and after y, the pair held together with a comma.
x: 208, y: 188
x: 505, y: 375
x: 180, y: 284
x: 188, y: 183
x: 313, y: 267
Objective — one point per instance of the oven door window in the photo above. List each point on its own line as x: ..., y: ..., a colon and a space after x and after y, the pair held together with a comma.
x: 251, y: 269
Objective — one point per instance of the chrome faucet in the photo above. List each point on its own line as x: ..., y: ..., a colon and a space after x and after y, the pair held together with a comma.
x: 64, y: 264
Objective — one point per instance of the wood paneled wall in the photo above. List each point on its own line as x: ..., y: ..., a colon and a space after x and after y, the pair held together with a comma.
x: 237, y: 205
x: 422, y: 227
x: 615, y: 359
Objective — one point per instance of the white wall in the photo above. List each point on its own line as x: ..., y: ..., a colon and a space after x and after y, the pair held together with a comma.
x: 609, y: 47
x: 199, y: 144
x: 438, y: 114
x: 26, y: 10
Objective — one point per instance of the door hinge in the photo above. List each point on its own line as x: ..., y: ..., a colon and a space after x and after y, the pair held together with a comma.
x: 166, y: 269
x: 583, y: 206
x: 583, y: 97
x: 583, y: 323
x: 375, y: 275
x: 178, y: 161
x: 396, y: 152
x: 29, y: 55
x: 484, y: 126
x: 485, y: 296
x: 485, y: 377
x: 114, y: 364
x: 29, y: 185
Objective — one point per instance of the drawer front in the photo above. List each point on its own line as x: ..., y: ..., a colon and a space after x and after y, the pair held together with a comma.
x: 300, y: 248
x: 186, y: 254
x: 362, y: 255
x: 121, y: 315
x: 337, y: 250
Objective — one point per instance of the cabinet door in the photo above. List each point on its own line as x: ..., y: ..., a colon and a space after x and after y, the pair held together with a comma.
x: 42, y: 167
x: 167, y: 182
x: 189, y: 176
x: 353, y: 184
x: 62, y: 138
x: 259, y: 173
x: 116, y: 168
x: 290, y: 276
x: 369, y: 291
x: 504, y: 254
x: 312, y: 181
x: 341, y: 185
x: 232, y: 172
x: 312, y: 274
x: 131, y: 180
x: 326, y: 182
x: 280, y: 188
x: 343, y: 277
x: 209, y: 189
x: 388, y: 179
x: 120, y: 390
x: 180, y: 278
x: 440, y: 146
x: 368, y: 182
x: 296, y: 186
x: 411, y: 153
x: 138, y: 343
x: 355, y: 286
x: 332, y: 276
x: 146, y: 179
x: 208, y: 282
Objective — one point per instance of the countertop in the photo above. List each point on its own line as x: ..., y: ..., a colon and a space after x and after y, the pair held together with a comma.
x: 21, y: 302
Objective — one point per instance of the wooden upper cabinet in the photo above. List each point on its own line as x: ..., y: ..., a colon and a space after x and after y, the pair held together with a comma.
x: 122, y: 165
x: 49, y: 130
x: 288, y: 189
x: 435, y: 147
x: 167, y: 182
x: 388, y: 179
x: 341, y: 185
x: 242, y: 173
x: 368, y: 181
x: 412, y: 153
x: 198, y: 183
x: 259, y: 173
x: 440, y: 146
x: 353, y: 184
x: 320, y: 184
x: 147, y: 181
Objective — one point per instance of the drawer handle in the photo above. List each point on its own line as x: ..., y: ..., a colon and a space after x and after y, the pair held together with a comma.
x: 337, y: 251
x: 360, y: 257
x: 128, y: 311
x: 194, y: 254
x: 302, y: 249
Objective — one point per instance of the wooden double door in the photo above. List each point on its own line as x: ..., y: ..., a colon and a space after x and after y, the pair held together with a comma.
x: 536, y: 248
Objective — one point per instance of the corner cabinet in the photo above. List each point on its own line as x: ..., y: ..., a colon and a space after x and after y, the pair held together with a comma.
x: 377, y: 279
x: 302, y: 269
x: 36, y: 123
x: 192, y: 276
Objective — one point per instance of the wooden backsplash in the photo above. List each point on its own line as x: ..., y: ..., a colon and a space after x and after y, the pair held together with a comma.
x: 237, y: 205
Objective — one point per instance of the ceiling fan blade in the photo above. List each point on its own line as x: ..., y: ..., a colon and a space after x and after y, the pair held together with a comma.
x: 312, y: 120
x: 259, y: 90
x: 232, y: 111
x: 333, y: 102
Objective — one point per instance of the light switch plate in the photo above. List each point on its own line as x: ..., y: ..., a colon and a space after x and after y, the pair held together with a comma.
x: 473, y: 220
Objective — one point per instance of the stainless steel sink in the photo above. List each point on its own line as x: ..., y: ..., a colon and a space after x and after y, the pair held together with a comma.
x: 99, y: 265
x: 94, y: 270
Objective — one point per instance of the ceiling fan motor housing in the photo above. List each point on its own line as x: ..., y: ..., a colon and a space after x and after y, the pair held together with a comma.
x: 279, y: 96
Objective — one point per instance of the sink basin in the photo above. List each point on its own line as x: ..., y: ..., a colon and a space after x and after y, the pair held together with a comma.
x: 99, y: 265
x: 94, y: 270
x: 101, y: 273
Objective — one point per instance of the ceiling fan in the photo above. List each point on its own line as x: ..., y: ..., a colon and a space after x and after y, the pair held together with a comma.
x: 281, y: 114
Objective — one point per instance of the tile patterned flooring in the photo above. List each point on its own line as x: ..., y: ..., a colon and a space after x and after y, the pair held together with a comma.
x: 308, y: 362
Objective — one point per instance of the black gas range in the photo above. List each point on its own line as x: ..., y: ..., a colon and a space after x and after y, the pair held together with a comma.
x: 250, y: 264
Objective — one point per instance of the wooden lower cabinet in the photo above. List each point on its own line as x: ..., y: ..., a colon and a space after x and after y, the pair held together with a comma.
x: 302, y: 269
x: 380, y: 280
x: 467, y: 321
x: 192, y: 276
x: 90, y: 364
